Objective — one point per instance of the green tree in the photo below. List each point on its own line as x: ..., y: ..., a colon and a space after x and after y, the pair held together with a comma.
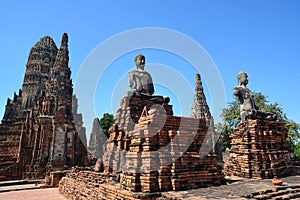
x: 293, y: 133
x: 106, y: 122
x: 231, y: 117
x: 297, y: 150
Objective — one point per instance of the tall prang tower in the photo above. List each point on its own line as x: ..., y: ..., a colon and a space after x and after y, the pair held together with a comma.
x: 40, y: 60
x: 39, y: 120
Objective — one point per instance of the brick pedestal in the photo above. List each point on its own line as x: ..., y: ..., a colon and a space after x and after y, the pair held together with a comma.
x: 258, y: 150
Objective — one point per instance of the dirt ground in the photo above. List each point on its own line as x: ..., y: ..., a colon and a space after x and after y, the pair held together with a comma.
x: 33, y: 194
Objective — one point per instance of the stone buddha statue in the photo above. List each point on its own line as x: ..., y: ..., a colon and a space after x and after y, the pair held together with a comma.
x: 141, y: 83
x: 248, y: 108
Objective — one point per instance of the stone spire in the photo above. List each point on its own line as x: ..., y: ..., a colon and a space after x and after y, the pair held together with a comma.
x: 200, y: 108
x: 59, y: 87
x: 57, y: 103
x: 97, y: 140
x: 61, y: 65
x: 62, y: 57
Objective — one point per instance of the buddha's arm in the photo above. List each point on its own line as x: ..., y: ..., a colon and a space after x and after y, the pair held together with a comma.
x: 132, y: 85
x: 150, y: 86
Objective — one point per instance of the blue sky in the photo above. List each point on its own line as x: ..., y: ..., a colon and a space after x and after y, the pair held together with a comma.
x: 258, y: 37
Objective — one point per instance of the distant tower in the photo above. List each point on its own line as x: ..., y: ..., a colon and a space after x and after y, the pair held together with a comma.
x: 97, y: 140
x: 200, y: 108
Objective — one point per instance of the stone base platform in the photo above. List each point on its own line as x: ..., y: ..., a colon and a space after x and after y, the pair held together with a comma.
x: 83, y: 187
x: 94, y: 185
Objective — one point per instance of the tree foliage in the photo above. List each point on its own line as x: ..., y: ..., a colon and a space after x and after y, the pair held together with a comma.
x: 297, y: 150
x: 106, y: 122
x: 231, y: 117
x: 293, y: 133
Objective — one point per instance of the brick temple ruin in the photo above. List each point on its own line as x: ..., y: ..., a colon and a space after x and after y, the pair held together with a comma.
x: 41, y: 130
x: 149, y: 151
